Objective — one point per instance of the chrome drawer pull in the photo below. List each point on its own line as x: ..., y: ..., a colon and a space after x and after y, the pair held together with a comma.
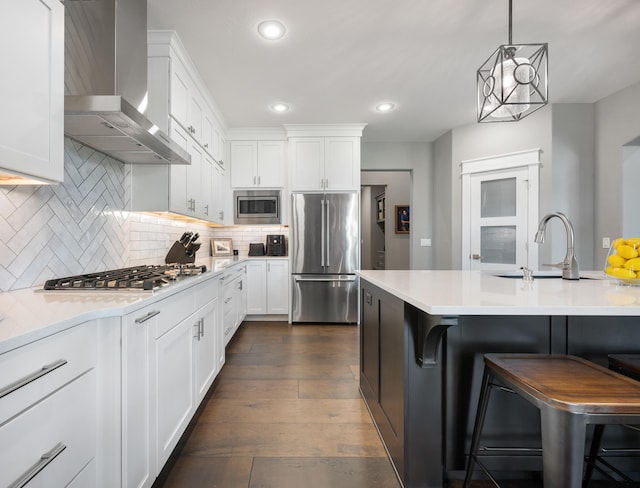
x: 45, y: 460
x: 150, y: 315
x: 46, y: 369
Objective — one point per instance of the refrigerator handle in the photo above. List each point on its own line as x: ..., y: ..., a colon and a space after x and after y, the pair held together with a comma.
x: 322, y: 236
x: 327, y: 233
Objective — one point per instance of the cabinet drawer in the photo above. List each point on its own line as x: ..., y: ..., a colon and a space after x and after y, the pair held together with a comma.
x: 67, y: 420
x: 174, y: 310
x: 31, y: 372
x: 205, y: 292
x: 228, y: 323
x: 227, y: 303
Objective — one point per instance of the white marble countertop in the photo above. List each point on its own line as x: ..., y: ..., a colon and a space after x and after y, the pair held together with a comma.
x: 477, y: 293
x: 31, y: 313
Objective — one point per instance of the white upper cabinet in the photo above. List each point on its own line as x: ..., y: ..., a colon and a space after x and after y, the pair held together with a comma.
x: 257, y: 164
x: 176, y: 91
x: 180, y: 106
x: 181, y: 88
x: 307, y: 163
x: 325, y: 163
x: 244, y: 163
x: 32, y: 92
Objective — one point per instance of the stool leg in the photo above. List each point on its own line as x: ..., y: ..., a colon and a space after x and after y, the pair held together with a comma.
x: 477, y: 427
x: 593, y: 452
x: 563, y: 440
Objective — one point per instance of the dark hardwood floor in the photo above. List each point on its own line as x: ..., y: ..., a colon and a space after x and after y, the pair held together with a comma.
x: 285, y: 412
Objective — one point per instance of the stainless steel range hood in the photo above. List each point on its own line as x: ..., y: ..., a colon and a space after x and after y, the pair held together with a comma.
x: 106, y: 82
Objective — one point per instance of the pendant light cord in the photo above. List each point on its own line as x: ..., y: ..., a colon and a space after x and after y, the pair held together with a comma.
x: 510, y: 41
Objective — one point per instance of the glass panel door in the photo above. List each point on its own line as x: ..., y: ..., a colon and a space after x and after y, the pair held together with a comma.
x: 498, y: 220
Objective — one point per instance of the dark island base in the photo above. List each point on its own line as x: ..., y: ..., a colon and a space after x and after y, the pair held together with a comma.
x: 420, y: 377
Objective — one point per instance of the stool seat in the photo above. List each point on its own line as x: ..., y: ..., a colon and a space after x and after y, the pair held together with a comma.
x: 570, y: 393
x: 568, y: 383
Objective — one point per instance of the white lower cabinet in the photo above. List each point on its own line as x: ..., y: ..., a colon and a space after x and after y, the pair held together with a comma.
x: 138, y: 436
x: 256, y: 287
x: 48, y: 405
x: 171, y: 356
x: 174, y: 399
x: 267, y: 287
x: 234, y: 299
x: 277, y: 286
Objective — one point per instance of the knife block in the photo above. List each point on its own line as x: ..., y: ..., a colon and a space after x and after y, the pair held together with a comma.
x: 178, y: 254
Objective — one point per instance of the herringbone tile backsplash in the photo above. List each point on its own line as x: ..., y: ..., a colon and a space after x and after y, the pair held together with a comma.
x: 79, y: 226
x: 83, y: 225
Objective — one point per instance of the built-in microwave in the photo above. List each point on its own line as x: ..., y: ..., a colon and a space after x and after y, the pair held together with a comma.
x: 256, y: 207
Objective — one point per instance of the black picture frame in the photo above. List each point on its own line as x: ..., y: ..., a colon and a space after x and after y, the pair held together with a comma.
x: 403, y: 219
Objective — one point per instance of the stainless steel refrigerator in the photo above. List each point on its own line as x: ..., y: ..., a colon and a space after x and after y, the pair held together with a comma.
x: 324, y: 248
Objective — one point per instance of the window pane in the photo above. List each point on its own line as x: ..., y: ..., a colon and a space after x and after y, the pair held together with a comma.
x: 498, y: 244
x: 498, y: 198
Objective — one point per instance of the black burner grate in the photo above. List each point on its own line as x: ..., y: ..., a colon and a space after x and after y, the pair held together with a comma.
x: 133, y: 278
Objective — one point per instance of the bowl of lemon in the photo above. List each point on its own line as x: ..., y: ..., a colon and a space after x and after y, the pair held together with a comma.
x: 623, y: 261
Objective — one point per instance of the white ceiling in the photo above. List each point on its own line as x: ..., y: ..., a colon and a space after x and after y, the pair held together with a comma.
x: 340, y: 58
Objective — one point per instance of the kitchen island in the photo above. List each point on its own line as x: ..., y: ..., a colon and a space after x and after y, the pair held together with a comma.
x: 423, y: 336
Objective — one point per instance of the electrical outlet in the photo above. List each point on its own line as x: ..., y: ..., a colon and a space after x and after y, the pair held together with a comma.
x: 425, y: 242
x: 606, y: 243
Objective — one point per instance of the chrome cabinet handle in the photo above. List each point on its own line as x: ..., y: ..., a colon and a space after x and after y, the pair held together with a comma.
x: 254, y: 180
x: 143, y: 319
x: 258, y: 180
x: 477, y: 257
x: 206, y: 209
x: 201, y: 328
x: 33, y: 471
x: 197, y: 334
x: 46, y: 369
x: 228, y: 300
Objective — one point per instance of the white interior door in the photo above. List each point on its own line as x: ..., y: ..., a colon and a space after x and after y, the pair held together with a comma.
x: 499, y: 220
x: 500, y: 212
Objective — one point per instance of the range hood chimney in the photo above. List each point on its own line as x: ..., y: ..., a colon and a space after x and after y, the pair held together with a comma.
x: 106, y: 82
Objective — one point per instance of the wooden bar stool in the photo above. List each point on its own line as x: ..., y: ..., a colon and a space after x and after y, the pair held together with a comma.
x: 628, y: 365
x: 570, y: 393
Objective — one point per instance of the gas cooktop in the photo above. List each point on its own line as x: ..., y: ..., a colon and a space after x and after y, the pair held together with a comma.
x: 135, y: 278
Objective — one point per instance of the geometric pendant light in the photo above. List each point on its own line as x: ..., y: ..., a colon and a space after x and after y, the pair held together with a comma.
x: 513, y: 81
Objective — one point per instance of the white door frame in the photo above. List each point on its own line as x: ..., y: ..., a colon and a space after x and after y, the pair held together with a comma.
x: 529, y: 159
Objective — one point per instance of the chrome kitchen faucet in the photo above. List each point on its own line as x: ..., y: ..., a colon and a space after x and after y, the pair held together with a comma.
x: 569, y: 266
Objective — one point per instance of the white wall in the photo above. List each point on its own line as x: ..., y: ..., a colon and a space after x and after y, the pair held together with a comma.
x: 630, y: 191
x: 365, y: 228
x: 417, y: 158
x: 564, y: 135
x: 572, y: 177
x: 484, y: 140
x: 617, y: 122
x: 445, y: 173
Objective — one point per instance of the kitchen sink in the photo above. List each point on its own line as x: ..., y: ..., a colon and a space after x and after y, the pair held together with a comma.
x: 554, y: 274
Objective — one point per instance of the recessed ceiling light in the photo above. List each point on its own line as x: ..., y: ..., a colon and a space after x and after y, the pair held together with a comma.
x: 271, y: 30
x: 385, y: 107
x: 280, y: 107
